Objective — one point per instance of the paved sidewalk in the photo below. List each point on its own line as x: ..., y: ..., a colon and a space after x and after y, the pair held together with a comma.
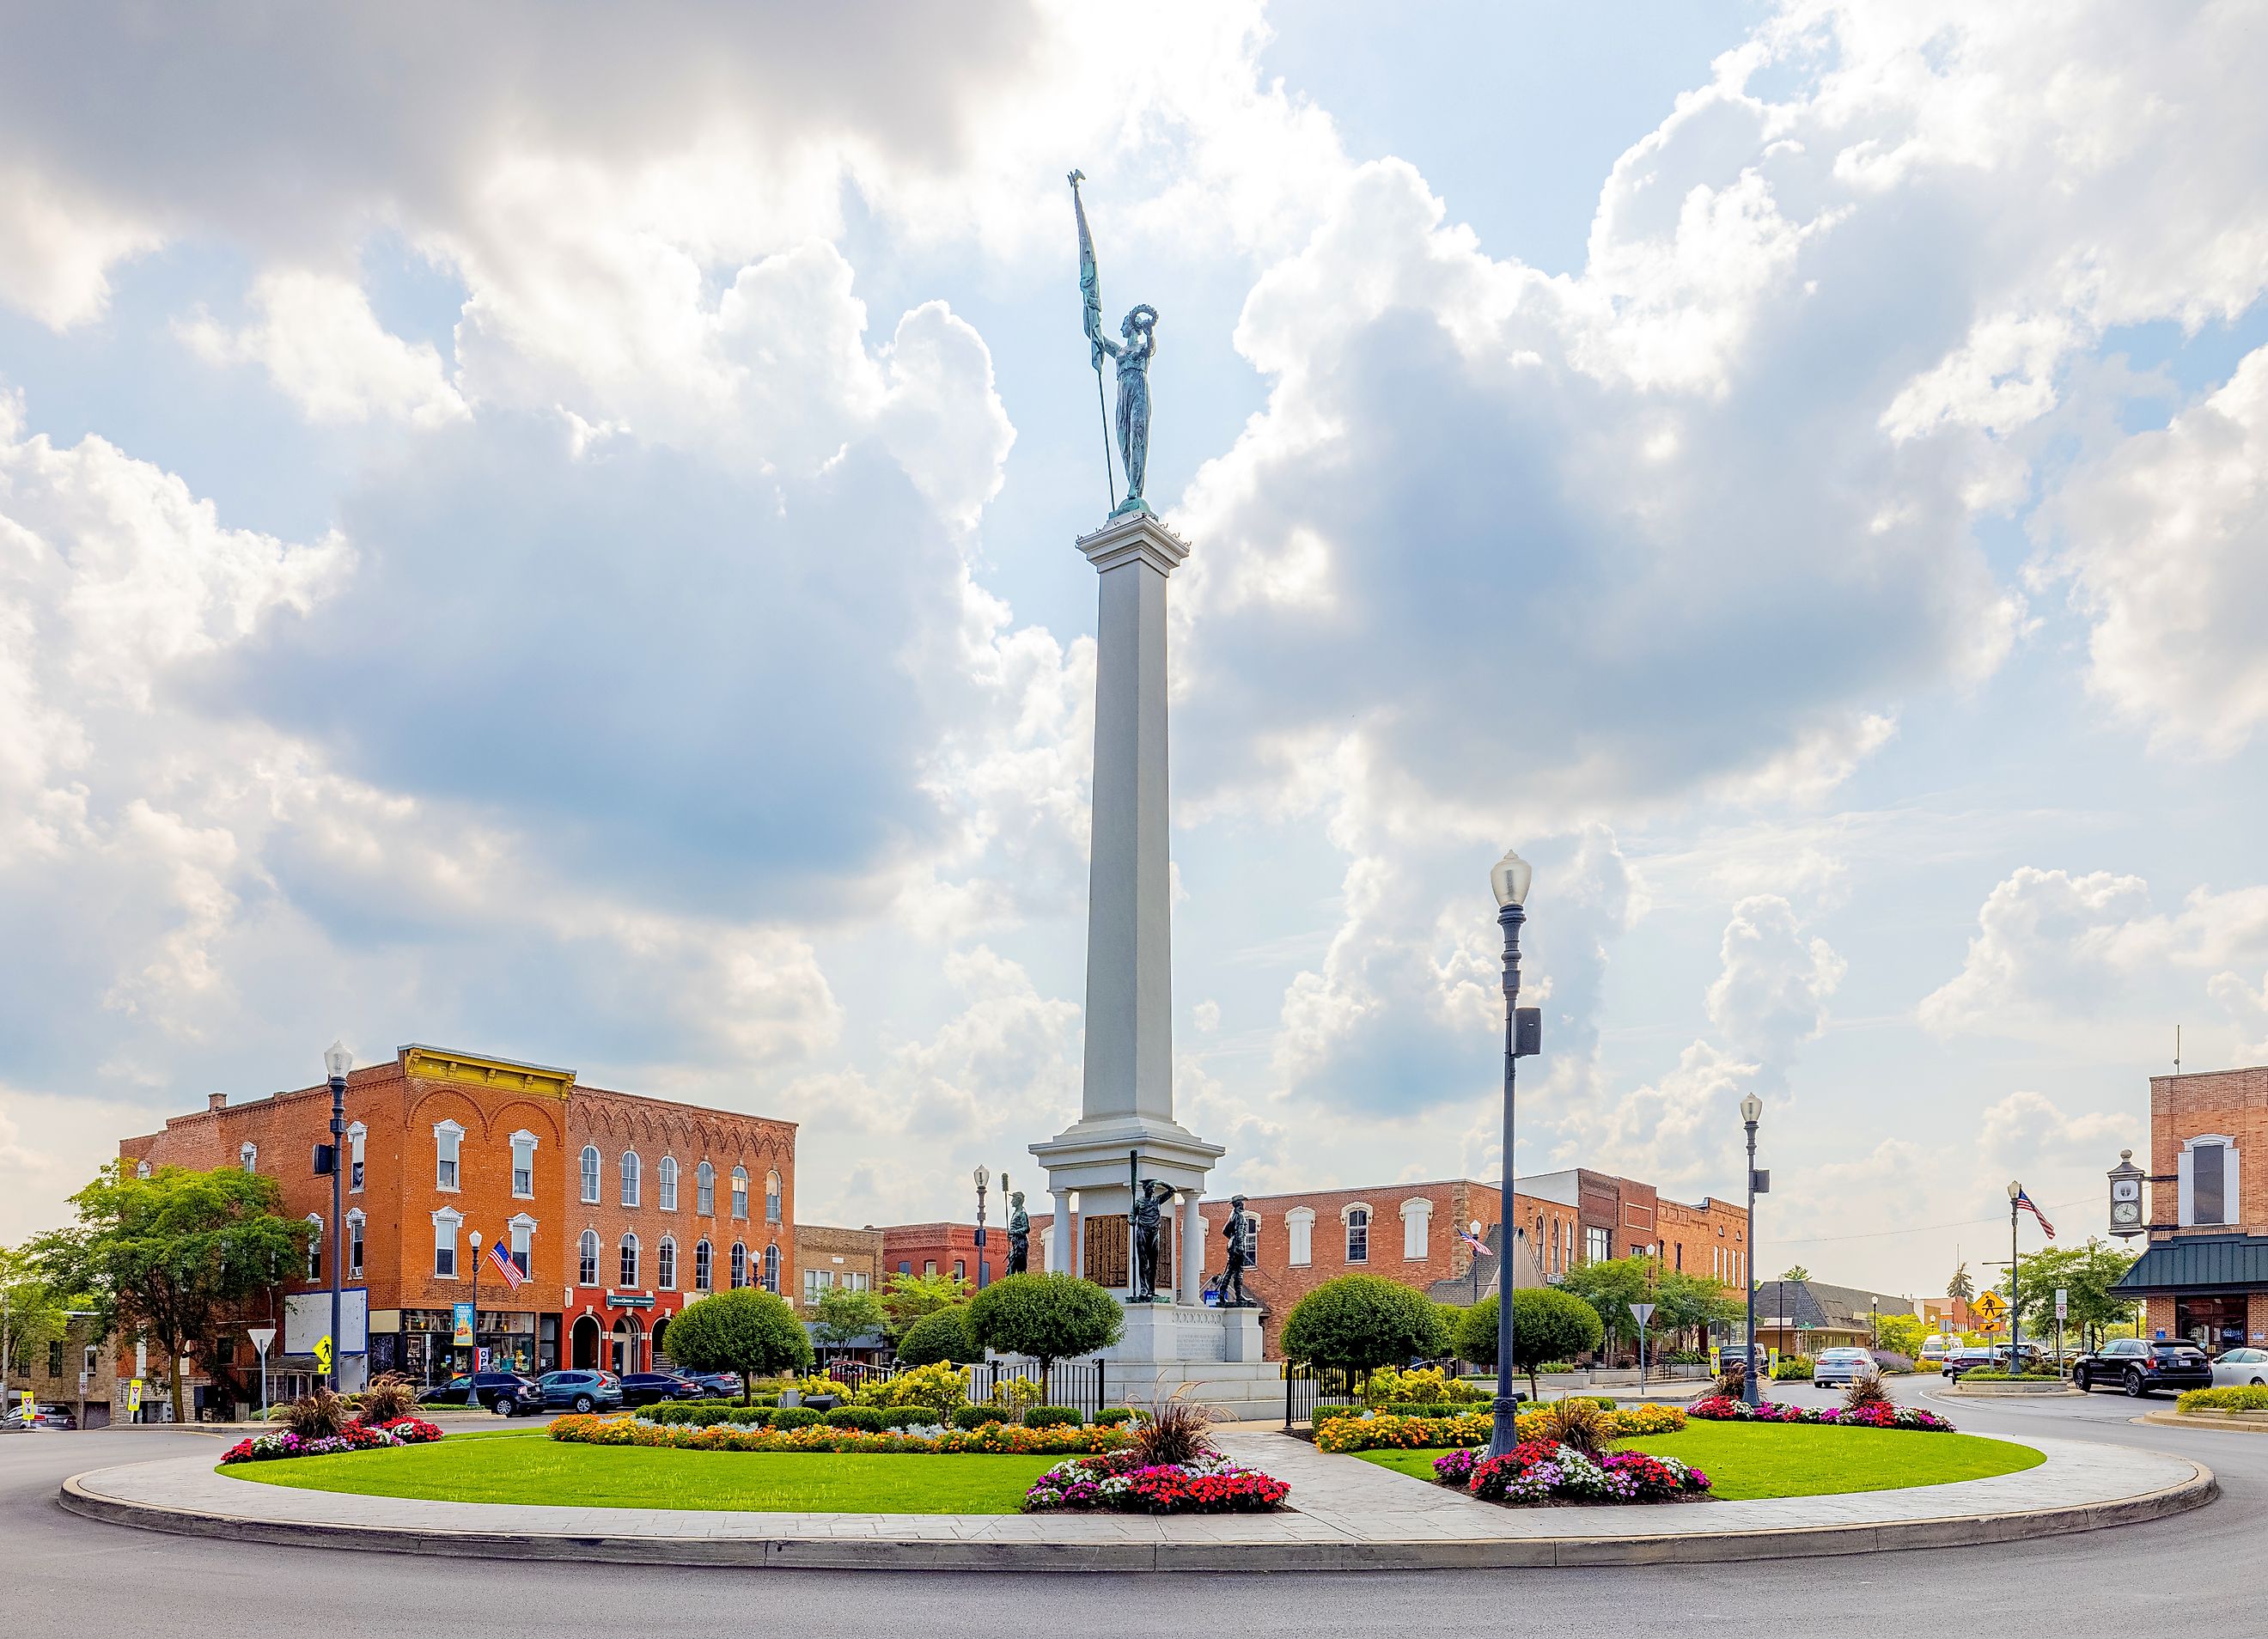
x: 1346, y: 1514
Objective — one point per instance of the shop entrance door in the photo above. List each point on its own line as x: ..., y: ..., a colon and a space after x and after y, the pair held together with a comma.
x: 2214, y: 1324
x: 585, y: 1344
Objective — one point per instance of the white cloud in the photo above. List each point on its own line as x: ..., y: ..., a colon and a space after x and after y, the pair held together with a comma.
x: 326, y: 351
x: 2046, y: 944
x: 1772, y: 993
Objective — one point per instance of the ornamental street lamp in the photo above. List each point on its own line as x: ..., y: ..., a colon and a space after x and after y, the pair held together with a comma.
x: 1523, y: 1031
x: 336, y: 1062
x: 1752, y: 1109
x: 2015, y: 1294
x: 472, y: 1399
x: 984, y: 1178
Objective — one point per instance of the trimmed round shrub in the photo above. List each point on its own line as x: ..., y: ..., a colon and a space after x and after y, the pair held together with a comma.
x: 977, y: 1416
x: 1054, y: 1417
x: 874, y: 1419
x: 1360, y: 1322
x: 1548, y: 1326
x: 1045, y: 1318
x: 793, y: 1417
x: 941, y: 1336
x: 1111, y: 1416
x: 747, y: 1331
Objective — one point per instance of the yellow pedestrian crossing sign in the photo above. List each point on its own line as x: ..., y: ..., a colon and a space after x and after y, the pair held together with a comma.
x: 1989, y: 1306
x: 323, y: 1356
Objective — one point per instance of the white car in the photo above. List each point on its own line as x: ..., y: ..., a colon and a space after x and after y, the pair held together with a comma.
x: 1840, y: 1366
x: 2241, y: 1367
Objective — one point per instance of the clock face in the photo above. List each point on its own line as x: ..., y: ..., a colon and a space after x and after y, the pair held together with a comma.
x: 2126, y: 1212
x: 2126, y: 1189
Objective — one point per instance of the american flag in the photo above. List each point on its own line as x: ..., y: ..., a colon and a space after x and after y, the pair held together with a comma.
x: 2025, y: 1201
x: 500, y: 1255
x: 1474, y: 1241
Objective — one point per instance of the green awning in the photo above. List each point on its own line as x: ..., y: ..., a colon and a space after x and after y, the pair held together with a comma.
x: 2202, y: 1263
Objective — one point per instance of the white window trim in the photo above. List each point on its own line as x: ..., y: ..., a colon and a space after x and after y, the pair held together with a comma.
x: 247, y: 1155
x: 666, y: 1244
x: 355, y: 1221
x: 740, y: 1194
x: 590, y: 1174
x: 457, y: 1132
x: 1346, y: 1228
x: 315, y: 1252
x: 357, y: 1135
x: 2186, y: 1215
x: 454, y: 1221
x: 1418, y: 1211
x: 1299, y: 1234
x: 629, y: 1176
x: 631, y: 1244
x: 591, y: 1238
x: 664, y: 1185
x: 521, y: 1222
x: 533, y: 1143
x: 141, y: 1169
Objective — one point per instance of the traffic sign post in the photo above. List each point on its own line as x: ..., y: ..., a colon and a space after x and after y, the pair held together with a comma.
x: 2062, y: 1309
x: 1644, y: 1312
x: 262, y: 1336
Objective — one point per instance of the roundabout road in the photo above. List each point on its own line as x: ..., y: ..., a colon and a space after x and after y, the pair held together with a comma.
x: 63, y: 1572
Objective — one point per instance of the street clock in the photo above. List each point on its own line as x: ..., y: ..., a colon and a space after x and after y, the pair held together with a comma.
x: 2127, y: 1197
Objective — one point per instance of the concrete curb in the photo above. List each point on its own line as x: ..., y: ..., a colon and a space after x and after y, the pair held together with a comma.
x: 2254, y: 1424
x: 1963, y: 1389
x: 867, y: 1554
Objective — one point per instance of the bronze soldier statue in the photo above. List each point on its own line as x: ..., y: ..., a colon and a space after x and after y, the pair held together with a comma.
x: 1242, y: 1234
x: 1148, y: 1223
x: 1019, y: 1234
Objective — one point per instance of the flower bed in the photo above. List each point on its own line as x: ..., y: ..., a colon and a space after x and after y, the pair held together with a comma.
x: 2241, y: 1397
x: 999, y: 1439
x: 356, y: 1436
x: 1719, y: 1408
x: 1541, y: 1471
x: 1205, y: 1485
x: 1386, y: 1432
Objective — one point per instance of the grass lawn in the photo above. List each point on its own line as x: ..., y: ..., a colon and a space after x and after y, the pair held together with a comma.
x: 501, y: 1469
x: 1747, y: 1460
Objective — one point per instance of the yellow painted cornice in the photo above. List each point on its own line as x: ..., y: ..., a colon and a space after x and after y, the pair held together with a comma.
x: 471, y: 1070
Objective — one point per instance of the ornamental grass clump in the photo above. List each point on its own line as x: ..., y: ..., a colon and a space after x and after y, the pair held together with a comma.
x: 1580, y: 1425
x: 321, y: 1415
x: 389, y: 1398
x: 1174, y: 1435
x: 1865, y: 1393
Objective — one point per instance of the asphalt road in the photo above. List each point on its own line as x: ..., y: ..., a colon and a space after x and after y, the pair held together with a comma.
x: 63, y: 1575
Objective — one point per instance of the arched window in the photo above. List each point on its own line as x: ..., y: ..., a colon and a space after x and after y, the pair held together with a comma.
x: 1417, y: 1218
x: 448, y: 1144
x: 771, y: 1197
x: 630, y: 1261
x: 249, y: 1157
x: 739, y: 1192
x: 1300, y: 1236
x: 739, y: 1265
x: 1358, y: 1234
x: 704, y: 1190
x: 771, y: 1268
x: 665, y: 1180
x: 523, y: 1165
x: 315, y: 1247
x: 704, y: 1267
x: 141, y: 1169
x: 354, y: 1245
x: 591, y: 1175
x: 664, y: 1265
x: 629, y: 1178
x: 587, y: 1258
x: 355, y: 1134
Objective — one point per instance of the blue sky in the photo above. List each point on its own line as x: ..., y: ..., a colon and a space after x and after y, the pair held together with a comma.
x: 560, y: 546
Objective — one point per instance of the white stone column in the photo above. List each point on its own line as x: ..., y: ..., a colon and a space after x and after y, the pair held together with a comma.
x: 1129, y: 1035
x: 1059, y: 1231
x: 1190, y: 1264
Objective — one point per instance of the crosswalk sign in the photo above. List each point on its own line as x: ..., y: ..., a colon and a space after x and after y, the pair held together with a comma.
x: 1991, y: 1305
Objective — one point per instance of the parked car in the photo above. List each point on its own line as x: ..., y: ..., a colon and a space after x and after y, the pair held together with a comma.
x: 1840, y: 1366
x: 42, y: 1418
x: 2142, y: 1368
x: 1967, y: 1357
x: 715, y: 1384
x: 506, y: 1393
x: 1932, y: 1349
x: 2239, y: 1367
x: 581, y: 1391
x: 643, y: 1388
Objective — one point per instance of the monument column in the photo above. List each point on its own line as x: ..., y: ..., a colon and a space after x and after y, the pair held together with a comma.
x: 1191, y: 1266
x: 1059, y: 1232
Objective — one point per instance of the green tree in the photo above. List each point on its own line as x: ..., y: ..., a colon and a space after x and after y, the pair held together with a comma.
x: 1902, y: 1334
x: 843, y: 1316
x: 1961, y: 1286
x: 1796, y: 1273
x: 2086, y: 1273
x: 747, y: 1330
x: 1360, y: 1322
x: 941, y: 1336
x: 33, y: 1310
x: 1547, y: 1324
x: 910, y: 1296
x: 1689, y: 1303
x: 168, y: 1257
x: 1046, y: 1318
x: 1610, y: 1286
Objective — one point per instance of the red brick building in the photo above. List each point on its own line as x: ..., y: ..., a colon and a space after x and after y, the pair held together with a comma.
x: 2204, y: 1272
x: 442, y: 1145
x: 948, y: 1249
x: 850, y: 1259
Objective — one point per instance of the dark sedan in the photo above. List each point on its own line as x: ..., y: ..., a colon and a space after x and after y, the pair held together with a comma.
x: 643, y: 1388
x: 2142, y: 1368
x: 506, y: 1393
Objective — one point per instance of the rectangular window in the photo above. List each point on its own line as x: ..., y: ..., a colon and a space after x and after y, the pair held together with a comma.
x: 354, y: 1248
x: 445, y: 1249
x: 523, y: 1166
x: 739, y: 1194
x: 445, y: 1142
x: 668, y: 1183
x: 959, y: 1269
x: 1300, y: 1231
x: 1358, y: 1236
x: 56, y: 1358
x: 1594, y: 1244
x: 928, y: 1267
x: 354, y: 1164
x: 521, y: 1234
x: 2207, y: 1175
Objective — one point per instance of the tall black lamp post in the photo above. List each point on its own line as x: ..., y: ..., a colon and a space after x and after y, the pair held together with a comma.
x: 1523, y: 1033
x: 984, y: 1178
x: 2016, y: 1293
x: 336, y: 1062
x: 1752, y: 1109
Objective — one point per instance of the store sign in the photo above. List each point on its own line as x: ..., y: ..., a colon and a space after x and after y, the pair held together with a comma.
x: 629, y: 1300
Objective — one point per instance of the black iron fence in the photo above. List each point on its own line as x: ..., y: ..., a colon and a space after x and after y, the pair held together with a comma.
x: 1307, y: 1387
x: 1083, y: 1385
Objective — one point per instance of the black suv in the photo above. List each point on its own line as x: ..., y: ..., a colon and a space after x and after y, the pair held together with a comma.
x: 643, y: 1388
x: 2141, y: 1367
x: 506, y: 1393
